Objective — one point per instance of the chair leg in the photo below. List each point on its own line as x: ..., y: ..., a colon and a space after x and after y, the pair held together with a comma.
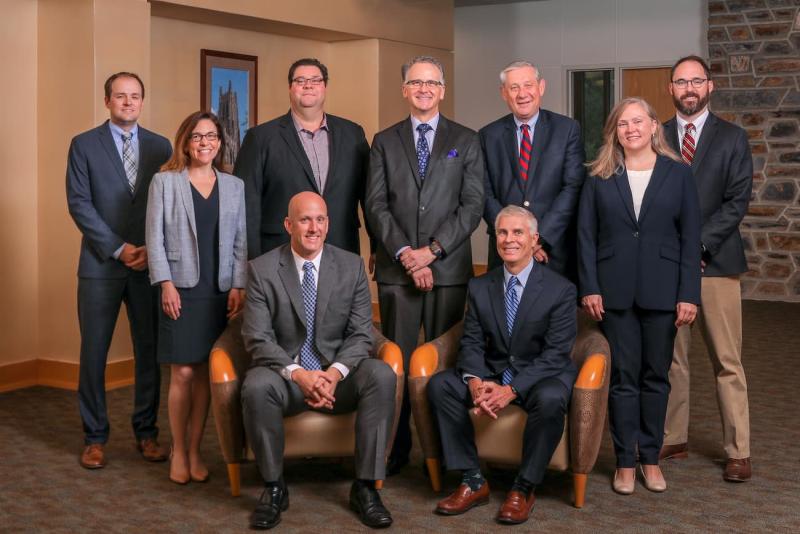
x: 379, y: 484
x: 579, y: 480
x: 234, y: 479
x: 434, y: 471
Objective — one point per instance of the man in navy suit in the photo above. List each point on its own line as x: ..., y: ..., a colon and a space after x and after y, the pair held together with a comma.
x: 518, y: 333
x: 534, y: 158
x: 108, y: 174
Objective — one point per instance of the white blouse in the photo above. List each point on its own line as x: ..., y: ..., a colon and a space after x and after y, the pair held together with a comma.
x: 638, y: 181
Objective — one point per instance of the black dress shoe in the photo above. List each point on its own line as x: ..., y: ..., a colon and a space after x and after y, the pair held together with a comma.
x: 366, y: 502
x: 273, y: 501
x: 395, y: 465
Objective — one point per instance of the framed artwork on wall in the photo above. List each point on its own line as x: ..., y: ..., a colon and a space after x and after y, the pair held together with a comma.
x: 229, y: 88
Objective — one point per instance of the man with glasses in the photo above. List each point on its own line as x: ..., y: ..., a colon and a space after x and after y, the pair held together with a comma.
x: 304, y: 150
x: 719, y: 155
x: 424, y: 199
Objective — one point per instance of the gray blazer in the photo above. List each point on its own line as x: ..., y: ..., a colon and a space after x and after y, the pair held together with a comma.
x: 171, y: 233
x: 274, y: 325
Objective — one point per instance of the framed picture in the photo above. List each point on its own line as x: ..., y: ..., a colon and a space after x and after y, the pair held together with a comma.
x: 229, y: 88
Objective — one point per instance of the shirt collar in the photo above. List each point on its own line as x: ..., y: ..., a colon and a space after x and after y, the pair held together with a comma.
x: 299, y: 128
x: 120, y: 132
x: 522, y: 276
x: 299, y: 260
x: 433, y: 123
x: 698, y: 122
x: 531, y: 122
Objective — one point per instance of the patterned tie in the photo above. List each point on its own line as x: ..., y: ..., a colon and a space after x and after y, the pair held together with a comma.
x: 687, y: 147
x: 512, y: 303
x: 309, y: 360
x: 525, y: 151
x: 129, y: 159
x: 423, y: 151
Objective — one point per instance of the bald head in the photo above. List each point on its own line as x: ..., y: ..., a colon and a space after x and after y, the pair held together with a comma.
x: 307, y: 224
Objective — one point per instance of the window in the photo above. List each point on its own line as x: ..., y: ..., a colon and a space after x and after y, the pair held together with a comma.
x: 592, y: 99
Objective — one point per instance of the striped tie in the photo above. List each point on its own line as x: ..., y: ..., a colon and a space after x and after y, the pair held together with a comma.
x: 129, y: 160
x: 687, y: 147
x: 309, y: 360
x: 512, y: 303
x: 524, y: 152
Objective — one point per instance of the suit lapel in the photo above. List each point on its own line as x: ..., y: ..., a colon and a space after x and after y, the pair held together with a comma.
x: 440, y: 140
x: 532, y: 289
x: 656, y: 181
x: 145, y: 149
x: 510, y: 142
x: 333, y: 151
x: 328, y: 278
x: 706, y: 137
x: 540, y: 136
x: 186, y: 196
x: 497, y: 298
x: 289, y: 134
x: 671, y: 133
x: 288, y: 274
x: 407, y: 140
x: 624, y: 189
x: 107, y: 141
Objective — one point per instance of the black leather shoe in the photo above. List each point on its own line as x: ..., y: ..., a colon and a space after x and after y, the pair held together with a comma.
x: 395, y: 465
x: 273, y: 501
x: 366, y: 502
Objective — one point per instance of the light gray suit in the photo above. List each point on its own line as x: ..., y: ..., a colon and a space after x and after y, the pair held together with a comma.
x: 171, y: 232
x: 274, y: 328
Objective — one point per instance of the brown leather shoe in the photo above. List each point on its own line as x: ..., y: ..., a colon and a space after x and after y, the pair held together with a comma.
x: 679, y: 451
x: 151, y: 450
x: 93, y: 456
x: 738, y: 470
x: 516, y: 509
x: 462, y: 499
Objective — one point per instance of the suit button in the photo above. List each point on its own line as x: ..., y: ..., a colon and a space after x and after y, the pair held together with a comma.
x: 526, y: 203
x: 422, y: 208
x: 635, y: 234
x: 511, y: 358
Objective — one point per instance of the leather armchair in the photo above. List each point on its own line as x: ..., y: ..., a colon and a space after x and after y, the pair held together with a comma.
x: 500, y: 441
x: 308, y: 434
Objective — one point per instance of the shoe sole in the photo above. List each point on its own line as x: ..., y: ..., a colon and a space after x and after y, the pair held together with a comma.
x: 735, y: 480
x: 92, y: 466
x: 441, y: 511
x: 284, y: 507
x: 507, y: 521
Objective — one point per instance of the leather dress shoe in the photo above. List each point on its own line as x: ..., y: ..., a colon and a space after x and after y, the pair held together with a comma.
x: 679, y: 451
x: 366, y: 502
x: 151, y: 450
x: 516, y: 508
x: 93, y: 456
x: 623, y: 488
x: 463, y: 499
x: 738, y: 470
x: 656, y: 486
x: 395, y: 465
x: 273, y: 501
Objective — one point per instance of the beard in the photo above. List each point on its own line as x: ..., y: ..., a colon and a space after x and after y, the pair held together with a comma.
x: 686, y: 109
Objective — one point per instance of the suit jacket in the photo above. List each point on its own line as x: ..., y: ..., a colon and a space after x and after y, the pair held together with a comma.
x: 541, y: 339
x: 653, y: 262
x: 100, y: 201
x: 274, y: 325
x: 172, y: 251
x: 275, y: 167
x: 404, y: 210
x: 555, y: 177
x: 723, y: 171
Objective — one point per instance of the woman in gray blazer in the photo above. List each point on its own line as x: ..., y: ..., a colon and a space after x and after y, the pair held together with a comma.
x: 197, y: 254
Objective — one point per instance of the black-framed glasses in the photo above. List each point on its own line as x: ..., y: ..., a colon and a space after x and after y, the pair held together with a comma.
x: 430, y: 84
x: 314, y: 82
x: 697, y: 83
x: 196, y: 137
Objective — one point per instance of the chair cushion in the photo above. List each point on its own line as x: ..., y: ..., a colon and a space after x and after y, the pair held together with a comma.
x: 320, y: 435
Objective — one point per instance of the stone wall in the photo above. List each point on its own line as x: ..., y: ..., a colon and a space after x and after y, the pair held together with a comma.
x: 754, y: 52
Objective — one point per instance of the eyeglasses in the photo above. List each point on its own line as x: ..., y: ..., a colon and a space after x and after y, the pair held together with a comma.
x: 210, y: 137
x: 430, y: 84
x: 314, y: 82
x: 697, y: 83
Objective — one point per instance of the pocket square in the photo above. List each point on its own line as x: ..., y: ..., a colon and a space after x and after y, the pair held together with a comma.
x: 452, y: 154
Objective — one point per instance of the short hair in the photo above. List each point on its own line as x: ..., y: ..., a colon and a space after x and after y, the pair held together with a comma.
x: 309, y: 62
x: 180, y: 154
x: 421, y: 59
x: 110, y: 81
x: 518, y: 211
x: 694, y: 58
x: 520, y: 64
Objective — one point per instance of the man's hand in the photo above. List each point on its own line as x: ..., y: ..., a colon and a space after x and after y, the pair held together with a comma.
x: 539, y: 254
x: 235, y: 302
x: 475, y: 387
x: 685, y: 313
x: 415, y: 259
x: 170, y: 300
x: 326, y: 388
x: 307, y: 382
x: 423, y: 279
x: 593, y: 304
x: 493, y: 399
x: 134, y: 257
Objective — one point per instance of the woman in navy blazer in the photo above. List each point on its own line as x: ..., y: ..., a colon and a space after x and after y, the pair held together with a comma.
x: 197, y: 254
x: 639, y: 271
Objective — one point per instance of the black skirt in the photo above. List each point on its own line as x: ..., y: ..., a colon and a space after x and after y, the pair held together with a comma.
x: 188, y: 340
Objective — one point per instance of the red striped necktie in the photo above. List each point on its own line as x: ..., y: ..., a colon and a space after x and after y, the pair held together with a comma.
x: 524, y: 152
x: 687, y: 147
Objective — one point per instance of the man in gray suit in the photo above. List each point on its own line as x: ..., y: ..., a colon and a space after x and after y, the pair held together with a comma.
x: 424, y: 199
x: 310, y: 350
x: 108, y: 174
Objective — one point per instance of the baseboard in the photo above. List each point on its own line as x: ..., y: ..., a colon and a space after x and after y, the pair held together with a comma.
x: 63, y: 375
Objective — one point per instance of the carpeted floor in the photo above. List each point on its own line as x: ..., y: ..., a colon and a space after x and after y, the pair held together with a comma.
x: 42, y: 487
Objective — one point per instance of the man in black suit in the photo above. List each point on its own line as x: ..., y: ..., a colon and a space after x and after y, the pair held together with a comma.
x: 534, y: 158
x: 108, y: 174
x: 424, y: 199
x: 719, y: 154
x: 518, y: 333
x: 304, y: 150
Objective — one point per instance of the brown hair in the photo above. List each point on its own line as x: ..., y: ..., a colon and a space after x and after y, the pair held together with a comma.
x: 696, y: 59
x: 110, y: 81
x: 180, y: 154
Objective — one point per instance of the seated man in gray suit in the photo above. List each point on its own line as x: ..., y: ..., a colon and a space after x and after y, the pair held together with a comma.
x: 310, y: 350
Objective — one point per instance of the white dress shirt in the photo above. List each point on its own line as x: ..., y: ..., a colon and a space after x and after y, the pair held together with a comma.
x: 638, y: 180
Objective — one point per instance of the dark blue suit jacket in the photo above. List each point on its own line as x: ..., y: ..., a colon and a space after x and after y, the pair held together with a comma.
x: 541, y: 339
x: 100, y: 201
x: 653, y: 262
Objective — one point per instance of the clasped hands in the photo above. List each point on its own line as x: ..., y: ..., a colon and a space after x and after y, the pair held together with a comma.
x: 318, y: 387
x: 134, y: 257
x: 416, y: 262
x: 489, y: 397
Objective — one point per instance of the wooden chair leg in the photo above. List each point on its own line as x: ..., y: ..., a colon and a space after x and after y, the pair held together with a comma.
x: 434, y: 471
x: 579, y: 480
x: 234, y: 479
x: 379, y: 484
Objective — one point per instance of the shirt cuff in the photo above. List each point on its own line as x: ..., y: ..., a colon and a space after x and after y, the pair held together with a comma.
x: 341, y: 368
x: 287, y: 371
x: 400, y: 251
x: 466, y: 377
x: 118, y: 252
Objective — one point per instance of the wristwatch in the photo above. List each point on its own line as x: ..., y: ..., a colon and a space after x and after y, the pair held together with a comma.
x: 436, y: 249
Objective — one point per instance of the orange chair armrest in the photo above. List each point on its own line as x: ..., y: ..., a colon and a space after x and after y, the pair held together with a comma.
x: 390, y: 353
x: 592, y: 372
x: 424, y: 361
x: 220, y: 367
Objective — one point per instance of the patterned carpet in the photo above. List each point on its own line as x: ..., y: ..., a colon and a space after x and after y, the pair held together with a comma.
x: 42, y: 488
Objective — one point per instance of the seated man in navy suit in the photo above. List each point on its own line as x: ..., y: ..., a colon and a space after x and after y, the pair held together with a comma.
x: 519, y: 329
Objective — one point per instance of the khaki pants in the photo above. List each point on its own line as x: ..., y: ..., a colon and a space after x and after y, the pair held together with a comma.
x: 720, y: 322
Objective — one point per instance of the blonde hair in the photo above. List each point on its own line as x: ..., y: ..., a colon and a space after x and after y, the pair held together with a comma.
x: 611, y: 157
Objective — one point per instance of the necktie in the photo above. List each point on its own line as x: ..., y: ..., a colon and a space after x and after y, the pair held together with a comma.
x: 129, y: 159
x: 423, y: 150
x: 512, y: 303
x: 525, y: 152
x: 309, y: 360
x: 687, y: 147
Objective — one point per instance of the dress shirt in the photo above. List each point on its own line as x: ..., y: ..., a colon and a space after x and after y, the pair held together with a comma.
x: 532, y: 128
x: 699, y: 122
x: 638, y: 181
x: 116, y: 135
x: 316, y: 145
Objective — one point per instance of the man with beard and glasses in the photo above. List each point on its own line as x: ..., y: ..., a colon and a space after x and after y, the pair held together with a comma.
x: 720, y: 158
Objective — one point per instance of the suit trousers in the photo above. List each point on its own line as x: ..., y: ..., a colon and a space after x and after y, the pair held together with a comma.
x: 546, y: 404
x: 404, y: 309
x: 369, y: 389
x: 641, y: 343
x: 99, y: 302
x: 720, y: 321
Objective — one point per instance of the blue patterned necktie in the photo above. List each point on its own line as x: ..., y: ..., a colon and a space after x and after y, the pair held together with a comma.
x: 423, y: 150
x: 512, y: 303
x: 129, y: 159
x: 309, y: 360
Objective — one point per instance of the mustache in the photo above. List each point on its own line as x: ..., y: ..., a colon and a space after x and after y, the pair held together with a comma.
x: 690, y: 95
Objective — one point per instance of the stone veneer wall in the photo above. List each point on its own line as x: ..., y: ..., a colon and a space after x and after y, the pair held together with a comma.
x: 754, y: 52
